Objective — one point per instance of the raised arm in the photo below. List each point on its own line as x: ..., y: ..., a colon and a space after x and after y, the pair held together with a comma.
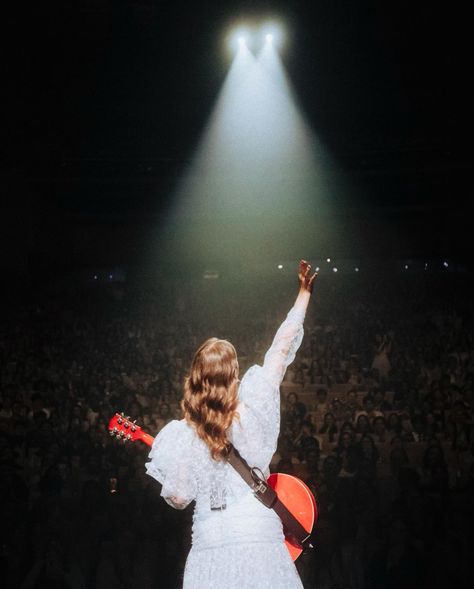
x: 288, y: 337
x: 255, y: 434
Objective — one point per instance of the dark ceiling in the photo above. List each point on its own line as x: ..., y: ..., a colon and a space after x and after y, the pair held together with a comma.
x: 104, y: 100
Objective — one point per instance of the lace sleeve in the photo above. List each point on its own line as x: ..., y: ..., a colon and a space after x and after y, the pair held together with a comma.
x: 171, y: 464
x: 284, y: 347
x: 255, y: 434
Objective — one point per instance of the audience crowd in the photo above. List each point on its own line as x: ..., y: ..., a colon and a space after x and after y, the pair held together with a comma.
x: 377, y: 418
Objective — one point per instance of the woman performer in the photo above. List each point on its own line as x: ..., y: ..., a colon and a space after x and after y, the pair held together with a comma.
x: 237, y: 542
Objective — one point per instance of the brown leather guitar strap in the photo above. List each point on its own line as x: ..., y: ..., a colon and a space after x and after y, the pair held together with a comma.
x: 255, y: 479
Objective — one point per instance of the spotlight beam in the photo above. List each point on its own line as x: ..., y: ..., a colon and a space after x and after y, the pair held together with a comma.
x: 257, y: 169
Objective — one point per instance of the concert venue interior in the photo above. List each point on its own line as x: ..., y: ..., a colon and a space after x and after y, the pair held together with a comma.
x: 165, y: 165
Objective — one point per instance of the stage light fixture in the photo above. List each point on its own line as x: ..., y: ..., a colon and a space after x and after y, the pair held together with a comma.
x: 254, y: 37
x: 272, y: 33
x: 238, y: 39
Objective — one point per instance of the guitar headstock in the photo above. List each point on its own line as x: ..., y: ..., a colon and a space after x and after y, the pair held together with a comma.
x: 123, y: 429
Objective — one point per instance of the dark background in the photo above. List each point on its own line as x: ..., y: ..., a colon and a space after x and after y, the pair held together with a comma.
x: 103, y: 105
x: 104, y: 102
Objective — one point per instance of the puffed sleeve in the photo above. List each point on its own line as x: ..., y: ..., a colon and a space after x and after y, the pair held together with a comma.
x: 255, y: 433
x: 171, y: 464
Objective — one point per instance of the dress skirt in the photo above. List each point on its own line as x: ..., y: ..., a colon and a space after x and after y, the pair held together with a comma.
x: 241, y: 547
x: 256, y: 565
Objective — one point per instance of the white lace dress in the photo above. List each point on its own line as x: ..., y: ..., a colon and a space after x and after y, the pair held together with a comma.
x: 236, y: 541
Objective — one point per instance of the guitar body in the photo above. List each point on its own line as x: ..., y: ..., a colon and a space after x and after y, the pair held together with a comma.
x: 291, y: 491
x: 299, y: 500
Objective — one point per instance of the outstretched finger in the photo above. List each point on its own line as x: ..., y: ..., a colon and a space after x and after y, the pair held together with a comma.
x: 310, y: 282
x: 303, y: 269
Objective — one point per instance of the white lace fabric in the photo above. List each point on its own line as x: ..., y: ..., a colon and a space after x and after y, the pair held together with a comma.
x: 235, y: 538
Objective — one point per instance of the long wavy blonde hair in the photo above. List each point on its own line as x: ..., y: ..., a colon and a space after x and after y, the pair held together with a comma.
x: 210, y: 394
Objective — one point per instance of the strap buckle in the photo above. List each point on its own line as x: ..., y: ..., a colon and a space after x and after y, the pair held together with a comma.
x: 261, y: 489
x: 260, y: 484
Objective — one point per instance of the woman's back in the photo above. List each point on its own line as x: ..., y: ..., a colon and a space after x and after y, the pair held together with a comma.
x: 237, y: 542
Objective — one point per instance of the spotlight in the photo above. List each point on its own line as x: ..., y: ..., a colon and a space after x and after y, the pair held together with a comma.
x: 445, y: 264
x: 280, y: 266
x: 356, y: 269
x: 273, y: 34
x: 334, y: 269
x: 328, y: 260
x: 316, y: 269
x: 238, y: 39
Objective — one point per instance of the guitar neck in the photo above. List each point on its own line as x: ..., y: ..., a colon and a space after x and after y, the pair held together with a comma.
x: 122, y: 428
x: 146, y: 438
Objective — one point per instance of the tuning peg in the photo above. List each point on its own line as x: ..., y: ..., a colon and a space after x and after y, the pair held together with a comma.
x: 133, y: 428
x: 120, y: 421
x: 128, y: 437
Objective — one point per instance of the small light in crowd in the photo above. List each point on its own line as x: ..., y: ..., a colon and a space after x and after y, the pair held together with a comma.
x: 426, y: 265
x: 334, y: 269
x: 406, y: 266
x: 280, y: 266
x: 356, y: 269
x: 445, y: 264
x: 111, y: 276
x: 95, y: 277
x: 317, y: 269
x: 328, y: 260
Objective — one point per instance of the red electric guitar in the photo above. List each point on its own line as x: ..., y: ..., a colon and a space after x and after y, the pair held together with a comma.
x: 292, y: 492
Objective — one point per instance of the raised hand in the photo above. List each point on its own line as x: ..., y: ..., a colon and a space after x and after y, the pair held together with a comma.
x: 305, y: 278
